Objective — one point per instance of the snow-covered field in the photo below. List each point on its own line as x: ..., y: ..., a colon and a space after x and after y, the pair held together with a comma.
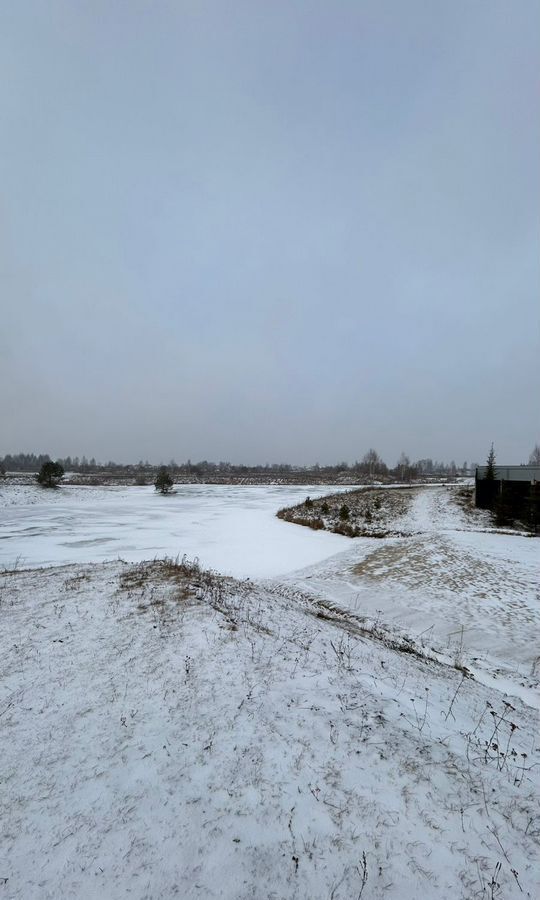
x: 166, y: 733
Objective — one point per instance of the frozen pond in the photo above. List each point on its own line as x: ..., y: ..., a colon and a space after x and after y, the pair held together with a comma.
x: 233, y: 529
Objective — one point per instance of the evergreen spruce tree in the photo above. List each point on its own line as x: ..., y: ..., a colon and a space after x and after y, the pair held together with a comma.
x: 490, y: 474
x: 490, y: 483
x: 163, y: 482
x: 344, y: 512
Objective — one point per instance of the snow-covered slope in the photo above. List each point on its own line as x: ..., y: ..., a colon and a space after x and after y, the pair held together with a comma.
x: 453, y: 585
x: 168, y: 734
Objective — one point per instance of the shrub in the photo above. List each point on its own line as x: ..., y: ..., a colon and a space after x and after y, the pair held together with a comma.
x: 345, y: 529
x: 50, y: 474
x: 308, y: 503
x: 325, y: 509
x: 285, y: 513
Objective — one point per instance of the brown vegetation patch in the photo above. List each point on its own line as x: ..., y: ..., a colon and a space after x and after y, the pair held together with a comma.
x: 368, y: 512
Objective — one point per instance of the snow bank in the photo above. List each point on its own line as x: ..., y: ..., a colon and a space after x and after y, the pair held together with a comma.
x: 166, y: 734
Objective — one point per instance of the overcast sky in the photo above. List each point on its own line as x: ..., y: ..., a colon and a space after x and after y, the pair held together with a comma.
x: 265, y: 231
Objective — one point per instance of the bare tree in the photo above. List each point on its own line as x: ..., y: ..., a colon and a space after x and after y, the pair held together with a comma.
x: 534, y: 458
x: 403, y: 464
x: 372, y: 462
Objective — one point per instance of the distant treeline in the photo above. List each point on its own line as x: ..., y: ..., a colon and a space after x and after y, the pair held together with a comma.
x: 371, y: 466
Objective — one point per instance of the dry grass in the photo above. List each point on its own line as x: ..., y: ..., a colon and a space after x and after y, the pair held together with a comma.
x: 369, y: 512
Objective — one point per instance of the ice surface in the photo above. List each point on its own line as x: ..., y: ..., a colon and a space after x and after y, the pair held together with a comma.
x: 230, y: 528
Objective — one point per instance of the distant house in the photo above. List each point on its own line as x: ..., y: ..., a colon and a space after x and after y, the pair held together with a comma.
x: 514, y: 494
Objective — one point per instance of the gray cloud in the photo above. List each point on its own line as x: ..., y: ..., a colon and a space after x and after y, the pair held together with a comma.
x: 260, y: 232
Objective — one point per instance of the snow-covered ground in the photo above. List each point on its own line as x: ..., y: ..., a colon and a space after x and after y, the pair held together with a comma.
x: 166, y: 733
x: 473, y: 593
x: 167, y: 736
x: 230, y: 528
